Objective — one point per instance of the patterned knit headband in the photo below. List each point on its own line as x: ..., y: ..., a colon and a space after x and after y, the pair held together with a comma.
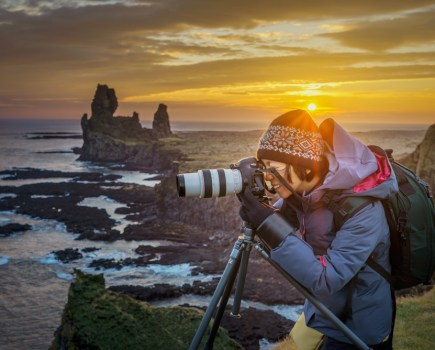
x: 292, y: 138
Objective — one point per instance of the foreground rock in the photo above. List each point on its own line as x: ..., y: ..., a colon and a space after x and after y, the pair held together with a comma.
x: 109, y: 138
x: 10, y: 229
x: 95, y: 318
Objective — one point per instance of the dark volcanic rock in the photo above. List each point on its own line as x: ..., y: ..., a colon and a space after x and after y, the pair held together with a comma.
x: 52, y: 135
x: 68, y: 255
x: 107, y: 138
x: 162, y: 291
x: 255, y: 325
x: 12, y: 228
x: 31, y: 173
x: 90, y: 249
x: 104, y: 103
x: 161, y: 126
x: 106, y: 264
x: 422, y: 160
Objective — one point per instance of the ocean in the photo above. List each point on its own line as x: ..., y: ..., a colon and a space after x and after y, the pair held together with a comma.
x: 34, y: 284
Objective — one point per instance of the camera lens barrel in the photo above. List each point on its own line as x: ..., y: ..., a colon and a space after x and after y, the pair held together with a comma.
x: 210, y: 183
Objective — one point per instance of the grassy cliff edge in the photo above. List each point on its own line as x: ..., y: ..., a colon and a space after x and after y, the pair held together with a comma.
x: 95, y: 318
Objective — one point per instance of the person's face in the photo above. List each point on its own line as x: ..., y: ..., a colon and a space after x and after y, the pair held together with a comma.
x: 281, y: 168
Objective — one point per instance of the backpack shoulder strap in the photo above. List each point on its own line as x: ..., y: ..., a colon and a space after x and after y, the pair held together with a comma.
x: 379, y: 269
x: 343, y: 210
x: 346, y: 207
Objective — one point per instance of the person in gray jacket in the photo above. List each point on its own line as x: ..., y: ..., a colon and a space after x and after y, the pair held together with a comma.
x: 319, y: 165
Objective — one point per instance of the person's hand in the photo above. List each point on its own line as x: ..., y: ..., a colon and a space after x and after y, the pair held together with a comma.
x: 252, y: 210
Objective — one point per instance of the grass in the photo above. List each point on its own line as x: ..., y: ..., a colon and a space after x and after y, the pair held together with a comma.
x: 415, y: 324
x: 95, y: 318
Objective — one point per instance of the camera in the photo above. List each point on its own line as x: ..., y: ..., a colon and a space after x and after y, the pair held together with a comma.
x: 220, y: 182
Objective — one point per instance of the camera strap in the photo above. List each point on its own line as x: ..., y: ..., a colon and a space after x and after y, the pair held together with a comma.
x: 285, y: 183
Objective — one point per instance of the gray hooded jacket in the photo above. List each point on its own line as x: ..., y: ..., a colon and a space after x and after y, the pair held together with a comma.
x: 325, y: 260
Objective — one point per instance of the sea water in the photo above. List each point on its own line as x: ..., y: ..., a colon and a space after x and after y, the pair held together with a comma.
x: 33, y: 283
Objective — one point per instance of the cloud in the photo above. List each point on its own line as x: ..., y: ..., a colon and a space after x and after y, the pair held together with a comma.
x: 380, y: 35
x: 182, y: 49
x: 87, y: 32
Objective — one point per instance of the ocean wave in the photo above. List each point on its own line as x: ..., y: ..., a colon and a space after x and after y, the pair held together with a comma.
x: 65, y: 276
x: 4, y: 260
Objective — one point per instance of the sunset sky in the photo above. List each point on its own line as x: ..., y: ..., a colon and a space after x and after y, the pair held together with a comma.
x: 225, y: 60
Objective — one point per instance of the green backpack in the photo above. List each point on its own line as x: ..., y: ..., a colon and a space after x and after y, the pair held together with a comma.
x: 411, y: 217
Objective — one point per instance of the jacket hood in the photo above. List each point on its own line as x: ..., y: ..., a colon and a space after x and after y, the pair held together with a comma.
x: 354, y: 168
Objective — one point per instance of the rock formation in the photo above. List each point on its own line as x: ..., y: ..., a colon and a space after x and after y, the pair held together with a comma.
x: 422, y: 160
x: 104, y: 103
x: 109, y: 138
x: 161, y: 125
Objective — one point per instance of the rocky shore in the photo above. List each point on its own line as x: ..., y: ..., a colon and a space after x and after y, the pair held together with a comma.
x: 204, y: 245
x: 201, y: 232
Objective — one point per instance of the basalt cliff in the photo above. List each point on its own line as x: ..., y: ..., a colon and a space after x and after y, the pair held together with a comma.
x: 122, y: 139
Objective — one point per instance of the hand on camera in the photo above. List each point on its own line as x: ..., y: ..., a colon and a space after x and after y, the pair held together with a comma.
x: 253, y: 211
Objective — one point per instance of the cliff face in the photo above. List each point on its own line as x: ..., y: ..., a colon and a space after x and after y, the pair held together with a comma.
x: 107, y: 138
x: 422, y: 160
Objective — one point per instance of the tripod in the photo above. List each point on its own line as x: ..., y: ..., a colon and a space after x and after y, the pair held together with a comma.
x: 237, y: 265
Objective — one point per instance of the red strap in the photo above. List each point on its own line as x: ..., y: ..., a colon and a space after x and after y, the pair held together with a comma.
x: 322, y: 260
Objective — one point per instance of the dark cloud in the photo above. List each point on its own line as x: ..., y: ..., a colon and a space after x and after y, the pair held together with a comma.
x: 385, y: 34
x: 64, y: 51
x: 91, y: 32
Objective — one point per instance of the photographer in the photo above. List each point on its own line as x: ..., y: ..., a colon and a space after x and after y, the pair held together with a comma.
x: 311, y: 168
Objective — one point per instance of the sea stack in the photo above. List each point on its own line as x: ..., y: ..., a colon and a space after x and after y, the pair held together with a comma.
x: 122, y: 139
x: 161, y: 127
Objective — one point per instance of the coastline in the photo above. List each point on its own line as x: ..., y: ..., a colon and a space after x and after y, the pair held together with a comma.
x: 156, y: 214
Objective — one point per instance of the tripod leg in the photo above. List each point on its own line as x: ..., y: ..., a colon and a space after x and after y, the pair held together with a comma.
x: 229, y: 270
x: 222, y: 305
x: 235, y: 312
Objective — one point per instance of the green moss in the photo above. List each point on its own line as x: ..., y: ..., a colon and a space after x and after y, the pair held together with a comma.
x: 95, y: 318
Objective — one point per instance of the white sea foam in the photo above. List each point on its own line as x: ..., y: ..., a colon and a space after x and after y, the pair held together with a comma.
x: 65, y: 276
x: 49, y: 259
x: 7, y: 195
x: 290, y: 312
x: 176, y: 270
x: 45, y: 196
x: 21, y: 182
x: 149, y: 275
x: 4, y: 219
x: 136, y: 177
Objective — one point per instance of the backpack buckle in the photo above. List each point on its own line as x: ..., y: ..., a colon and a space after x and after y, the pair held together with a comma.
x: 401, y: 224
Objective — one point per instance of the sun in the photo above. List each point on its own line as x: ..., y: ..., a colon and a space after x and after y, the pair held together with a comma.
x: 312, y: 107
